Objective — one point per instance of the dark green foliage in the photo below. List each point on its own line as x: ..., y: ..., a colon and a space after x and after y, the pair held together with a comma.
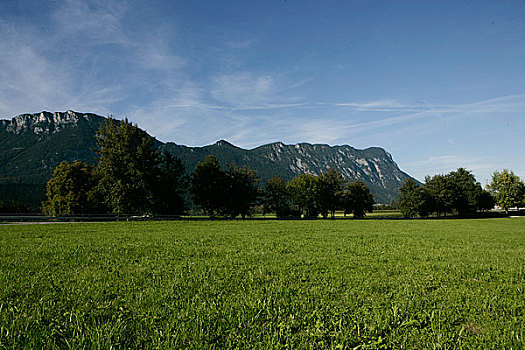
x: 373, y: 284
x: 427, y: 203
x: 508, y: 189
x: 170, y: 186
x: 467, y: 189
x: 331, y: 189
x: 311, y: 195
x: 241, y: 191
x: 13, y: 207
x: 410, y: 198
x: 131, y: 177
x: 304, y: 191
x: 208, y: 186
x: 230, y: 193
x: 457, y: 192
x: 72, y: 190
x: 126, y: 168
x: 357, y: 199
x: 484, y: 200
x: 28, y: 197
x: 277, y: 199
x: 443, y: 192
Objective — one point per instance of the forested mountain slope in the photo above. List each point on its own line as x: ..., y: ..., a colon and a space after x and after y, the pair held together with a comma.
x: 32, y: 145
x: 373, y: 165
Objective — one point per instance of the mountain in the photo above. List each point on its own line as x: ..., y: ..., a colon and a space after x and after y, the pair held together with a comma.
x: 373, y: 165
x: 32, y: 145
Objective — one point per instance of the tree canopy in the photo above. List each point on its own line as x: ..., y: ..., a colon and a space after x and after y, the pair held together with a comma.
x: 457, y: 192
x: 277, y: 199
x: 410, y: 198
x: 170, y: 186
x: 131, y: 177
x: 507, y: 188
x: 71, y: 190
x: 331, y: 189
x: 126, y: 167
x: 208, y: 186
x: 304, y: 191
x: 357, y: 199
x: 242, y: 191
x: 309, y: 195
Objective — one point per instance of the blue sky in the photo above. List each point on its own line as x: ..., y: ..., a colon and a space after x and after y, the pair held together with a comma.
x: 438, y: 84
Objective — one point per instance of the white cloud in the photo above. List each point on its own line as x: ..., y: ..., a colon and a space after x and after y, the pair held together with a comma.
x: 92, y: 22
x: 386, y: 105
x: 242, y: 89
x: 27, y: 78
x: 69, y: 65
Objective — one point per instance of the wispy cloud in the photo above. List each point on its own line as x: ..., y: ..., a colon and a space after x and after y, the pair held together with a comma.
x: 445, y: 163
x: 87, y: 59
x: 511, y: 103
x: 31, y: 82
x: 92, y: 22
x: 379, y: 106
x: 242, y: 89
x: 40, y: 69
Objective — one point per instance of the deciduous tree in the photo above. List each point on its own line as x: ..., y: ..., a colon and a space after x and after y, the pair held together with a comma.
x: 241, y: 191
x: 484, y: 200
x: 304, y: 190
x: 71, y: 190
x: 410, y: 198
x: 277, y: 199
x: 442, y: 192
x: 170, y: 185
x: 466, y: 189
x: 208, y: 186
x: 331, y: 189
x: 507, y: 188
x: 357, y: 199
x: 126, y: 167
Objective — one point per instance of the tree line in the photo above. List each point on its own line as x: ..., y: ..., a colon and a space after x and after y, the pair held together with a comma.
x: 234, y: 191
x: 458, y: 193
x: 310, y: 196
x: 132, y: 176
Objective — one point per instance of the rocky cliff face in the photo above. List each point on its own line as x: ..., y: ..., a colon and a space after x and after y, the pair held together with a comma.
x: 32, y: 145
x: 374, y: 165
x: 44, y: 123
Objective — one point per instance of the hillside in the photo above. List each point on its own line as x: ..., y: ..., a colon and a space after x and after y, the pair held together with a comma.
x: 373, y: 165
x: 32, y: 145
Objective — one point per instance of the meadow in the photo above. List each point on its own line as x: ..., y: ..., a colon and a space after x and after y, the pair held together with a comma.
x: 321, y: 284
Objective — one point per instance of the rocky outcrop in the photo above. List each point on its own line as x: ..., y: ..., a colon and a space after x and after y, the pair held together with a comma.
x: 44, y: 122
x: 373, y: 165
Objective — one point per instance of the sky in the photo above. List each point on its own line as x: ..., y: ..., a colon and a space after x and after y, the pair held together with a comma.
x: 438, y: 84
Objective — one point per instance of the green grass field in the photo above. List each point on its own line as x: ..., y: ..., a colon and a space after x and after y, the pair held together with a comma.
x: 372, y: 284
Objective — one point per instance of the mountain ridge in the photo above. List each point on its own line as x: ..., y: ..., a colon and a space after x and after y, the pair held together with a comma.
x: 372, y: 165
x: 31, y: 145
